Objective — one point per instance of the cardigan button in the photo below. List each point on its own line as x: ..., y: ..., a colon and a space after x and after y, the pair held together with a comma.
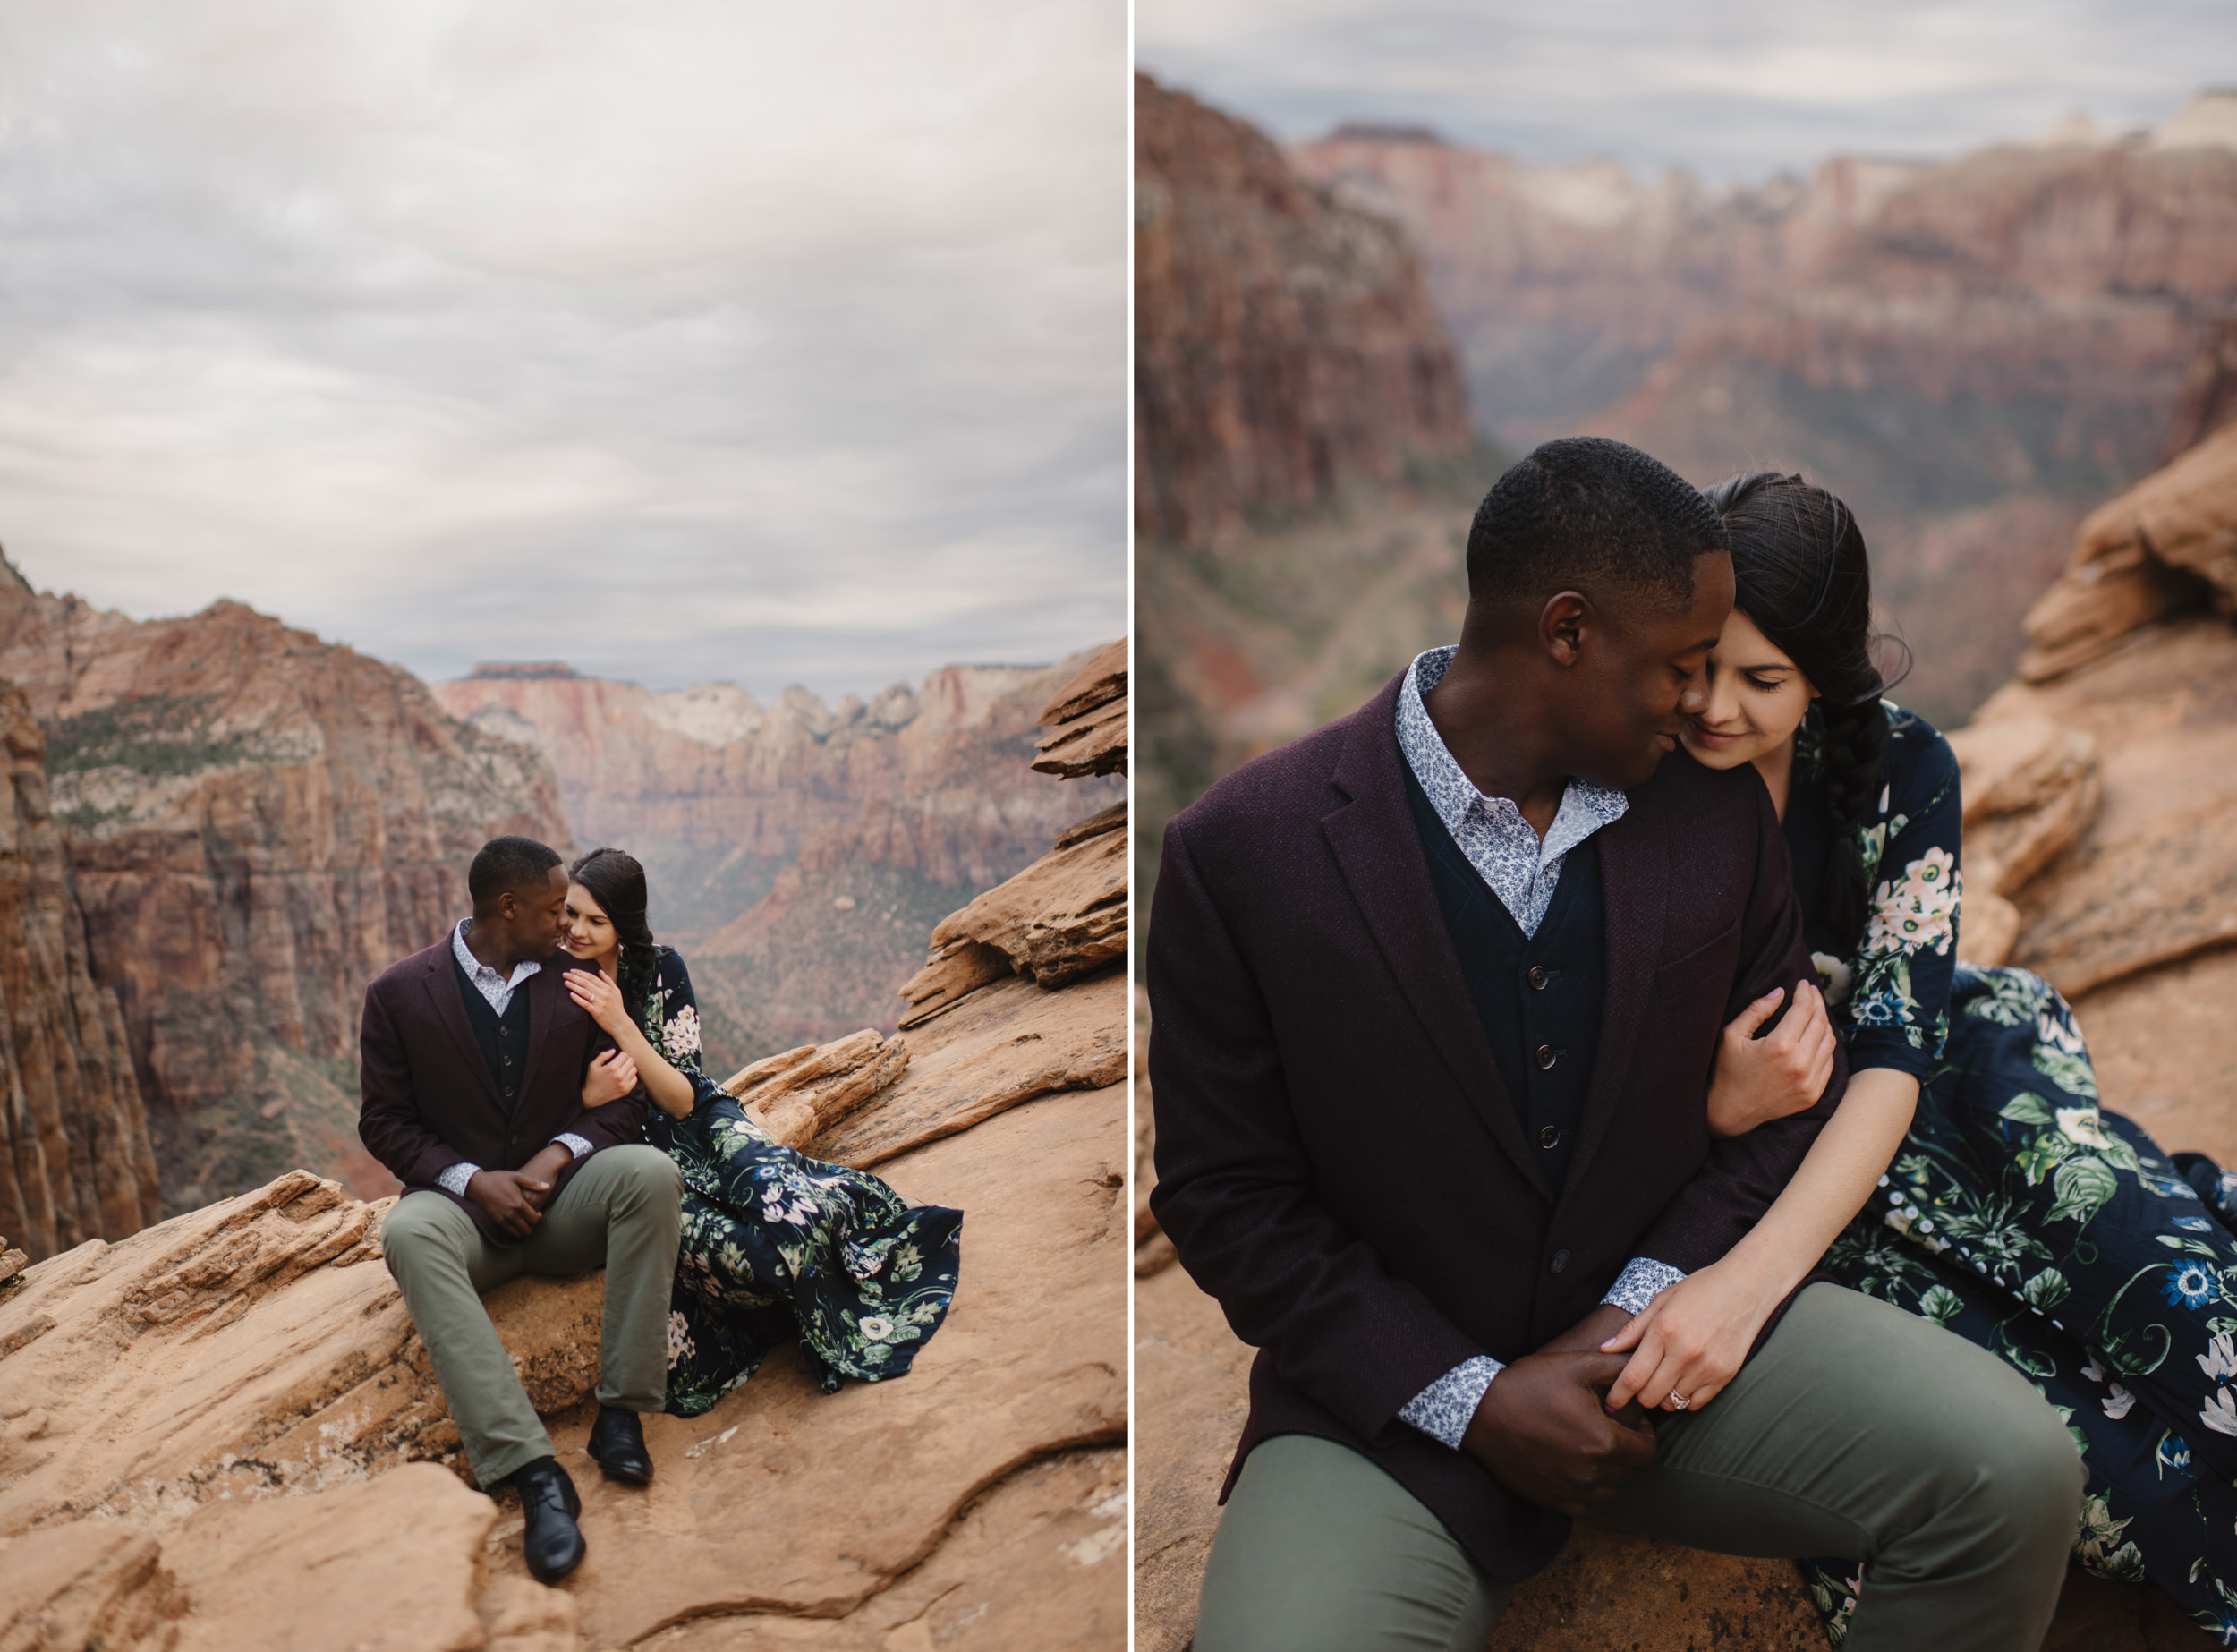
x: 1544, y: 1058
x: 1550, y: 1136
x: 1537, y: 977
x: 1560, y: 1261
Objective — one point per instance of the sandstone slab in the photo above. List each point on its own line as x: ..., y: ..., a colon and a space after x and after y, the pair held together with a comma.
x: 802, y: 1091
x: 1005, y: 1043
x: 1088, y: 719
x: 2152, y: 879
x: 783, y: 1500
x: 393, y: 1565
x: 73, y: 1588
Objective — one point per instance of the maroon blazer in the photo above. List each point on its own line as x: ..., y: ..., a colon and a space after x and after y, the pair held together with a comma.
x: 430, y: 1101
x: 1338, y: 1163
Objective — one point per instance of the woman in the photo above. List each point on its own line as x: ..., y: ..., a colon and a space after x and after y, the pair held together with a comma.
x: 1988, y: 1190
x: 775, y: 1245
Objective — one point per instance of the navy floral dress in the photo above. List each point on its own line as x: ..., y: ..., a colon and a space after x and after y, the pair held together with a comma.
x: 777, y: 1247
x: 2020, y: 1215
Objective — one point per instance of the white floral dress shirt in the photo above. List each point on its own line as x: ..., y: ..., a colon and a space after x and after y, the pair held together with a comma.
x: 496, y: 991
x: 1523, y: 871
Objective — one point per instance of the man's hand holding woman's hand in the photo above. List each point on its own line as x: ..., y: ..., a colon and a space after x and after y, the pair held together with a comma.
x: 1691, y: 1339
x: 612, y: 1076
x: 515, y: 1199
x: 1543, y: 1432
x: 1782, y: 1073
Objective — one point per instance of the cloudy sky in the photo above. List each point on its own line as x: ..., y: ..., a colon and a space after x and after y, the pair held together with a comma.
x: 679, y: 340
x: 1732, y: 89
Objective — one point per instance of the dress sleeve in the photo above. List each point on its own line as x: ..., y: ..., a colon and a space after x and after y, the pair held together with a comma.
x: 677, y: 1034
x: 1899, y: 1002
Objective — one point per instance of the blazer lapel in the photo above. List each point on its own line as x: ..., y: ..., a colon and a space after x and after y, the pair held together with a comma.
x: 442, y: 988
x: 1379, y: 851
x: 1634, y: 873
x: 547, y: 993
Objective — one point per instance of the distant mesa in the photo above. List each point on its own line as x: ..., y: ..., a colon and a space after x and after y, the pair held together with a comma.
x: 523, y: 670
x: 2209, y: 122
x: 1385, y: 131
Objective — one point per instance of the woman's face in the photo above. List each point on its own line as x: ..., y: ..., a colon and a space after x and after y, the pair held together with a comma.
x: 587, y: 932
x: 1757, y: 697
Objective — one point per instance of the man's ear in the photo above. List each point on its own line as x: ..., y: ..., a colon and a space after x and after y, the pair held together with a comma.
x: 1563, y: 623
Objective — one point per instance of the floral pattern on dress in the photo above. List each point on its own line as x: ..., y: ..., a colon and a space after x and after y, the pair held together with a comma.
x: 1897, y: 980
x: 2019, y: 1214
x: 777, y: 1247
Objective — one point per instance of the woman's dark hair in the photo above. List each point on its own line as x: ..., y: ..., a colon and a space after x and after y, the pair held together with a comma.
x: 617, y: 882
x: 1801, y: 573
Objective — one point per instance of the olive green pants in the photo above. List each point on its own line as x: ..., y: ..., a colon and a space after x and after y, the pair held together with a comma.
x: 621, y: 1211
x: 1856, y: 1430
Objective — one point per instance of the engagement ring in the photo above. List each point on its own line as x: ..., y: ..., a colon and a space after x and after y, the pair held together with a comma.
x: 1677, y: 1401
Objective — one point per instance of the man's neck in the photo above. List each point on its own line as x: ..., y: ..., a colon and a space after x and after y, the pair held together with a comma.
x: 1498, y: 739
x: 492, y: 945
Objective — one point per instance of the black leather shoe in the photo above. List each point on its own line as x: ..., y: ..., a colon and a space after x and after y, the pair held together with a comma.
x: 618, y: 1442
x: 553, y: 1544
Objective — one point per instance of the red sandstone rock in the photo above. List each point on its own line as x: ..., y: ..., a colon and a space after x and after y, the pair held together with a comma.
x: 75, y: 1159
x: 259, y: 823
x: 1087, y: 721
x: 222, y: 1426
x: 2208, y: 397
x: 1284, y: 344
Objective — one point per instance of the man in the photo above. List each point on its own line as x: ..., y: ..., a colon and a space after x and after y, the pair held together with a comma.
x: 475, y: 1060
x: 1435, y: 993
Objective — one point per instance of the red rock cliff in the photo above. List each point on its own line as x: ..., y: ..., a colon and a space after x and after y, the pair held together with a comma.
x: 258, y: 823
x: 75, y: 1160
x: 798, y: 852
x: 1970, y: 353
x: 1284, y: 343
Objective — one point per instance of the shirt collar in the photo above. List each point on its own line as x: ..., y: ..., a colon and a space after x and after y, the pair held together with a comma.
x: 476, y: 970
x: 1585, y: 808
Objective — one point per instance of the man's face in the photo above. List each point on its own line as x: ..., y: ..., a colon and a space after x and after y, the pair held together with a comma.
x: 534, y: 918
x: 1641, y: 674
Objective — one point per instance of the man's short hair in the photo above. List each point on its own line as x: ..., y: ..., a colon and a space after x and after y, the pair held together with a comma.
x: 1590, y: 514
x: 520, y: 864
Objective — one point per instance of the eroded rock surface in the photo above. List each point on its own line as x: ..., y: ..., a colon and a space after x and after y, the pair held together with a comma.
x: 1285, y: 346
x: 797, y: 853
x: 75, y: 1158
x: 222, y: 1431
x: 259, y: 823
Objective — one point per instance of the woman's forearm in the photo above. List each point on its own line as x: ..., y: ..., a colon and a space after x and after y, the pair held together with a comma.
x: 669, y: 1089
x: 1842, y: 1168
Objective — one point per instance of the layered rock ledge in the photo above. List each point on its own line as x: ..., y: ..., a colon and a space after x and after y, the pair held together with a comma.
x: 222, y: 1432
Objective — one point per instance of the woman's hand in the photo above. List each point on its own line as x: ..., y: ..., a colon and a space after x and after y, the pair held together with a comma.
x: 1691, y: 1339
x: 600, y: 998
x: 1760, y: 1079
x: 612, y: 1076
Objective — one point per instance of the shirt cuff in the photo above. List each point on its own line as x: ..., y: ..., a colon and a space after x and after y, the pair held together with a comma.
x: 572, y: 1142
x: 454, y: 1180
x: 1443, y: 1410
x: 1643, y: 1280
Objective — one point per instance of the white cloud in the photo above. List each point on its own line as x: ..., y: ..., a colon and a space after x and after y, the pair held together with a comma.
x: 1730, y: 89
x: 682, y: 340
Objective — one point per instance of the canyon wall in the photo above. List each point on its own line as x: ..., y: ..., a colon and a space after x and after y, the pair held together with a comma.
x: 796, y: 853
x: 258, y: 822
x: 75, y: 1160
x: 1285, y: 346
x: 1970, y: 353
x: 223, y: 1435
x: 1562, y: 282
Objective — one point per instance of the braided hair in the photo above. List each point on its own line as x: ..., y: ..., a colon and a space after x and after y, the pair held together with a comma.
x: 1801, y: 573
x: 616, y: 881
